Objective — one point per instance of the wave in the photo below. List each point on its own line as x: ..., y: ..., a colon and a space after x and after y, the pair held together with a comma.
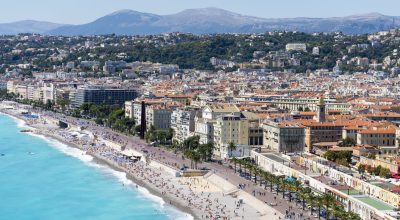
x: 170, y: 211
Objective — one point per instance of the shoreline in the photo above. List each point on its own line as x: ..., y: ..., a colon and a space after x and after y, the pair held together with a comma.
x: 203, y: 197
x: 104, y: 161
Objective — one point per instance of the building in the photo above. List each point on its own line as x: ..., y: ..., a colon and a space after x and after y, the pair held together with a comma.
x: 255, y: 129
x: 378, y: 137
x: 113, y: 66
x: 384, y: 116
x: 11, y: 86
x: 168, y: 69
x: 310, y: 170
x: 294, y: 104
x: 158, y: 116
x: 183, y: 124
x: 321, y: 111
x: 204, y: 124
x: 392, y: 163
x: 21, y: 91
x: 133, y: 109
x: 284, y: 136
x: 231, y: 129
x: 296, y: 47
x: 315, y: 51
x: 100, y: 95
x: 316, y: 132
x: 49, y: 92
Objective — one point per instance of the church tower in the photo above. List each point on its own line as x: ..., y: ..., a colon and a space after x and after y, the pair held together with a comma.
x: 321, y: 110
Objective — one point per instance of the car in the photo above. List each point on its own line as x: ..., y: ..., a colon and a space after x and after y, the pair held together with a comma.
x: 273, y: 204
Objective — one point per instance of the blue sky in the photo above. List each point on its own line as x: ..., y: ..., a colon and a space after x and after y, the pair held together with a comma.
x: 83, y: 11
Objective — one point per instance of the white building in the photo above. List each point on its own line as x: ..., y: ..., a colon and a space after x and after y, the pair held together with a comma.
x: 204, y: 125
x: 296, y: 47
x: 183, y: 124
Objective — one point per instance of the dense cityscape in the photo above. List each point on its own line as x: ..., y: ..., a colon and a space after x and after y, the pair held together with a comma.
x: 278, y: 125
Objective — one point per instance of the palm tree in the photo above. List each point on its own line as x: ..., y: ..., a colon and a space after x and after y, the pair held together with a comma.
x: 353, y: 216
x: 319, y: 202
x: 249, y: 167
x: 256, y: 171
x: 264, y: 177
x: 327, y: 200
x: 305, y: 193
x: 189, y: 154
x: 273, y: 180
x: 240, y: 165
x: 338, y: 211
x: 283, y: 186
x: 311, y: 201
x: 231, y: 148
x: 234, y: 160
x: 196, y: 158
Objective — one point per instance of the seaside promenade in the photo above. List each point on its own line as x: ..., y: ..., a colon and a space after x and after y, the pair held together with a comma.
x: 252, y: 194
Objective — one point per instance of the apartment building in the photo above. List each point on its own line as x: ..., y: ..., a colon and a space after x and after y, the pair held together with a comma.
x: 158, y: 116
x: 204, y: 124
x: 284, y: 136
x: 294, y: 104
x: 100, y: 95
x: 182, y: 122
x: 231, y: 129
x: 384, y: 138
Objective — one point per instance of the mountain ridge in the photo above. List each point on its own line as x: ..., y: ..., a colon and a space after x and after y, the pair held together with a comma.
x: 205, y: 21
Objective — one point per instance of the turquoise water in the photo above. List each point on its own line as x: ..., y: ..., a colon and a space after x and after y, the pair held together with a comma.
x: 58, y: 182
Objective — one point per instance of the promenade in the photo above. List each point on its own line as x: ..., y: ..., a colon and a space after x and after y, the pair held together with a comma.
x: 251, y: 192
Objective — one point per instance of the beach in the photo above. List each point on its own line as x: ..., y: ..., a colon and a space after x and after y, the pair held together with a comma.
x: 207, y: 197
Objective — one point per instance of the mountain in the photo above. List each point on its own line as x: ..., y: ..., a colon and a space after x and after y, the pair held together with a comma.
x: 356, y: 24
x: 124, y: 22
x: 27, y: 26
x: 205, y: 21
x: 214, y: 20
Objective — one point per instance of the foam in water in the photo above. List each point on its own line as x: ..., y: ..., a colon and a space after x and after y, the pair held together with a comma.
x: 172, y: 212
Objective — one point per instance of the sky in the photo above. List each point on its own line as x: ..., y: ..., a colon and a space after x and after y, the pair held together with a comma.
x: 83, y: 11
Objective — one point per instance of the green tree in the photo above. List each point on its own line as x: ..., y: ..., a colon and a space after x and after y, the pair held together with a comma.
x: 347, y: 142
x: 231, y: 147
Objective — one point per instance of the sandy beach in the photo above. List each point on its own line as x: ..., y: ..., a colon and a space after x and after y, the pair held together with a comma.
x: 200, y: 197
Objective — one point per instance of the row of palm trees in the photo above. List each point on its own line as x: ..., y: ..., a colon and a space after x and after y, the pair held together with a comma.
x: 294, y: 190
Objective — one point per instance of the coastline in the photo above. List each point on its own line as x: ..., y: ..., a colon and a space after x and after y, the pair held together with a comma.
x: 104, y: 161
x: 203, y: 197
x: 153, y: 190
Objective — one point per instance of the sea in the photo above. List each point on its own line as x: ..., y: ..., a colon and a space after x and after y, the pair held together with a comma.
x: 41, y: 178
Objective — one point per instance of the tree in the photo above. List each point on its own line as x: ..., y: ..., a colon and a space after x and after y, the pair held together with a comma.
x: 319, y: 201
x: 384, y: 172
x: 206, y: 151
x: 347, y: 142
x: 327, y: 201
x: 371, y: 156
x: 361, y: 168
x: 231, y: 148
x: 49, y: 104
x: 234, y: 160
x: 63, y: 103
x: 377, y: 170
